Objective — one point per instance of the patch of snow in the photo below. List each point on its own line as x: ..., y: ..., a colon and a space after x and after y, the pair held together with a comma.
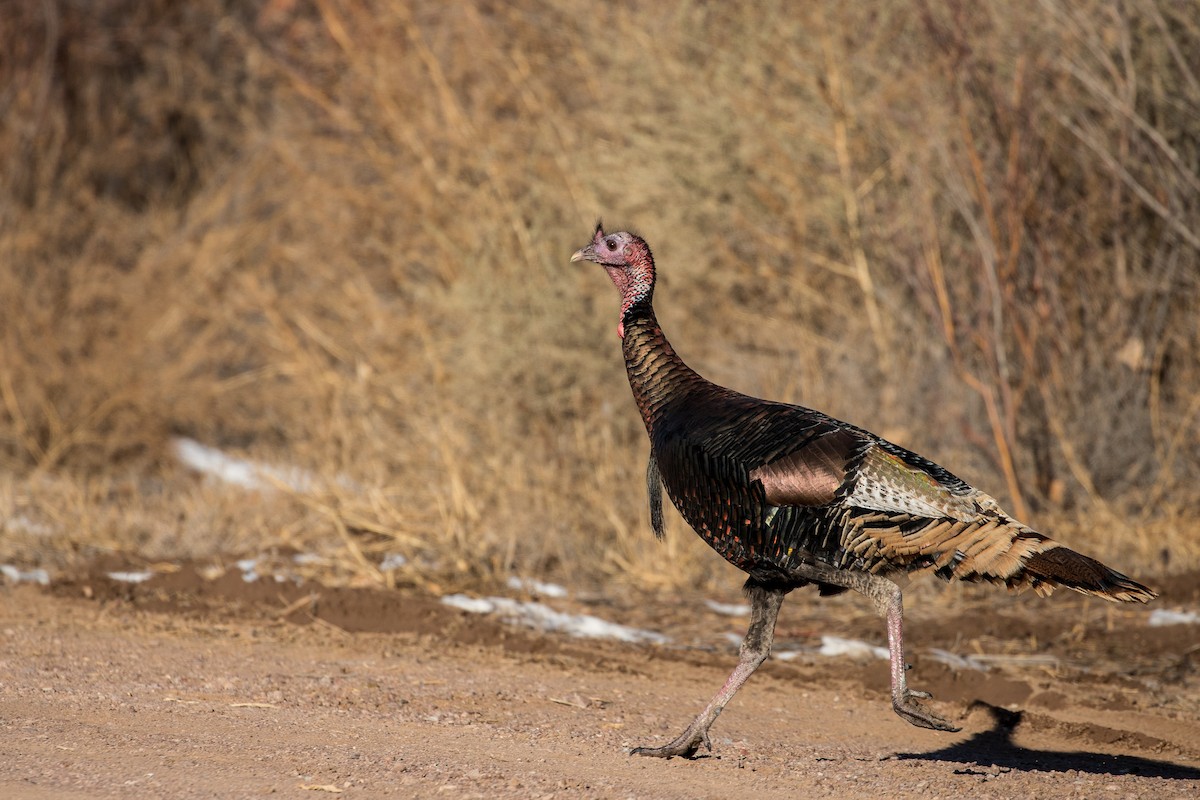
x: 131, y: 577
x: 729, y: 609
x: 11, y: 573
x: 238, y: 471
x: 542, y: 617
x: 1039, y: 659
x: 1160, y: 617
x: 832, y: 646
x: 733, y: 638
x: 307, y: 558
x: 536, y: 587
x: 247, y: 566
x: 475, y: 605
x: 855, y: 648
x: 955, y: 661
x: 392, y: 561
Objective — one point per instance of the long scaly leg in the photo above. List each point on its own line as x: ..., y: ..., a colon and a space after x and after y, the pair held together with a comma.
x: 764, y: 610
x: 889, y: 603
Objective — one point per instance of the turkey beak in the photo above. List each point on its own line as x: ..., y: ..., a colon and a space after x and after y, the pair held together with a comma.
x: 589, y: 253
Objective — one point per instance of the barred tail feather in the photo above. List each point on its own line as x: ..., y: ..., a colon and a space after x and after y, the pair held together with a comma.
x: 1061, y: 566
x: 996, y: 549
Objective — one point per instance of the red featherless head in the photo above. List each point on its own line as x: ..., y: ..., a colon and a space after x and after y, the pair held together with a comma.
x: 627, y: 259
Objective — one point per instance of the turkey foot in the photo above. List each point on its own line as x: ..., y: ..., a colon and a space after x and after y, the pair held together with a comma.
x: 914, y: 714
x: 890, y: 603
x: 686, y: 745
x: 764, y: 610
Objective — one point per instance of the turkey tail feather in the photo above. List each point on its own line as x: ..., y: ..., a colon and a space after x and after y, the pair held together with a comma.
x: 1064, y: 567
x: 991, y: 548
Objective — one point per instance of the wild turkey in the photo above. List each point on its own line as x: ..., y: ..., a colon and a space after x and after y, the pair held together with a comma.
x: 792, y: 497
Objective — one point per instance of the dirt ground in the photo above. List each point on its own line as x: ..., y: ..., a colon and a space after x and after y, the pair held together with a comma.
x: 186, y: 687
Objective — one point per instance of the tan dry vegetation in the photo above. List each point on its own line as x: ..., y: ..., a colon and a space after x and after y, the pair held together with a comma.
x: 335, y: 235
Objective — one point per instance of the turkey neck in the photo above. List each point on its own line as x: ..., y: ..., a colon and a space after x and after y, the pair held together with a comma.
x: 656, y: 373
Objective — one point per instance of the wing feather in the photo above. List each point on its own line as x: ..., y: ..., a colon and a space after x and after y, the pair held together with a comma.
x: 814, y: 473
x: 887, y: 482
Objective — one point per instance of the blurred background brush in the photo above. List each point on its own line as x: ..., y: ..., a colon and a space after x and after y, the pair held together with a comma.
x: 330, y: 239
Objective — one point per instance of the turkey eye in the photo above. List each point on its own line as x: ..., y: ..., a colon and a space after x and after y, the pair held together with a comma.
x: 612, y: 243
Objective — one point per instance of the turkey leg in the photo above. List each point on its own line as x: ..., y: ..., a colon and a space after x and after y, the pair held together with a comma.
x: 764, y: 610
x: 889, y: 603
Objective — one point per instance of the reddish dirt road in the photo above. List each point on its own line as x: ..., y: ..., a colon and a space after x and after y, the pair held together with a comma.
x: 186, y: 688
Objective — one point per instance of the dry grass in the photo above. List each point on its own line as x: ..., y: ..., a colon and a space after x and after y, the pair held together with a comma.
x: 335, y: 236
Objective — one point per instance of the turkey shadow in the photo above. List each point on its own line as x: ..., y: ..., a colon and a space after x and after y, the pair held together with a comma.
x: 994, y: 748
